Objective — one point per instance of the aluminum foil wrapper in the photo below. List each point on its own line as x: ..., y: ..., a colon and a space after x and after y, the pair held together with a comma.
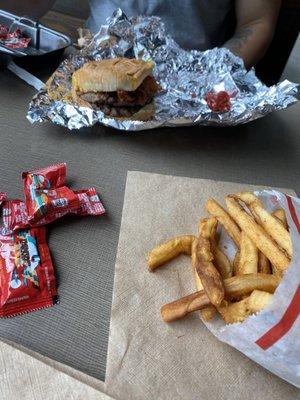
x: 185, y: 76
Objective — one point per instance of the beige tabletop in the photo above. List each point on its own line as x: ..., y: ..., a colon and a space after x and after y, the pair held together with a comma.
x: 28, y: 376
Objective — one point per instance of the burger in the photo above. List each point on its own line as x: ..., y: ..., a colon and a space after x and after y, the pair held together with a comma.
x: 119, y: 87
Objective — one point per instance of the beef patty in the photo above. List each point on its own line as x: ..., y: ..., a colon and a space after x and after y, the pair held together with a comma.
x: 118, y: 112
x: 121, y: 98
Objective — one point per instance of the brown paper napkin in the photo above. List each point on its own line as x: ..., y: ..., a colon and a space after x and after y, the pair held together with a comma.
x: 148, y: 359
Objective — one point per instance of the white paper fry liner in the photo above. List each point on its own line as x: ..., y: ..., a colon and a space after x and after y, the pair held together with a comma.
x: 272, y: 337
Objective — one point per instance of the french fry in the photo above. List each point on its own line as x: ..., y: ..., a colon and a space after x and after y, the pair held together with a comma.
x: 276, y: 271
x: 235, y: 312
x: 209, y: 275
x: 264, y: 265
x: 236, y: 262
x: 263, y: 245
x: 271, y: 224
x: 208, y: 312
x: 248, y: 198
x: 207, y: 229
x: 257, y: 234
x: 222, y: 262
x: 280, y: 215
x: 216, y: 210
x: 248, y: 260
x: 168, y: 250
x: 258, y: 300
x: 235, y: 286
x: 239, y: 311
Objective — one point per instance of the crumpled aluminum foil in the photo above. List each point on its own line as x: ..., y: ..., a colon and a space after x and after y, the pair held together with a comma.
x: 185, y: 76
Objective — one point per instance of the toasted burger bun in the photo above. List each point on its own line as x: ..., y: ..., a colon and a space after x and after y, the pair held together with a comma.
x: 111, y: 75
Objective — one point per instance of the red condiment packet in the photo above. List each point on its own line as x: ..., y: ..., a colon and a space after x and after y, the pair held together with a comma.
x: 15, y: 212
x: 3, y: 31
x: 27, y: 280
x: 218, y: 102
x: 16, y: 43
x: 46, y: 195
x: 53, y: 176
x: 3, y: 195
x: 89, y: 202
x: 13, y: 40
x: 14, y: 216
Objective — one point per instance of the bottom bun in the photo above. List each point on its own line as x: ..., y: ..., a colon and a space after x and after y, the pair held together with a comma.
x: 144, y: 114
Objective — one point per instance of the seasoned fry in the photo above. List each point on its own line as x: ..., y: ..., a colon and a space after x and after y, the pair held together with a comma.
x: 280, y: 215
x: 208, y: 312
x: 169, y: 250
x: 271, y: 224
x: 235, y: 286
x: 248, y: 198
x: 236, y: 262
x: 257, y: 234
x: 222, y: 262
x: 276, y: 271
x: 209, y: 275
x: 193, y: 256
x: 235, y: 312
x: 207, y: 228
x: 258, y: 300
x: 181, y: 307
x: 240, y: 285
x: 239, y: 311
x: 248, y: 256
x: 264, y: 249
x: 264, y: 265
x: 216, y: 210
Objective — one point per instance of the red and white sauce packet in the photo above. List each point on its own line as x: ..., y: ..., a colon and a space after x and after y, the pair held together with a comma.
x: 27, y: 280
x: 47, y: 198
x: 15, y: 214
x: 13, y: 40
x: 3, y: 197
x: 46, y: 193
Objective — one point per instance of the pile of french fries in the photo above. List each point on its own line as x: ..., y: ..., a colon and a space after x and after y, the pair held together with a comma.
x: 234, y: 289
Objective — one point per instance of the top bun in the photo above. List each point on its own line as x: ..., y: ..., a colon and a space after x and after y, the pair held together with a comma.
x: 111, y: 75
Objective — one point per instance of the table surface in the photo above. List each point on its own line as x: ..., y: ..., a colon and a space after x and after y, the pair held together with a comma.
x: 264, y: 152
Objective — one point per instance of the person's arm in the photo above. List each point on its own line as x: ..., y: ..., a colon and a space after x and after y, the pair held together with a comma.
x: 256, y: 21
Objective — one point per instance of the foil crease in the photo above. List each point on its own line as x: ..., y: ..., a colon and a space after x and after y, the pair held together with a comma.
x: 185, y: 76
